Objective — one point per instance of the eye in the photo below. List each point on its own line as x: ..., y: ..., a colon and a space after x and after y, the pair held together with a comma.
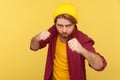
x: 59, y: 25
x: 68, y: 26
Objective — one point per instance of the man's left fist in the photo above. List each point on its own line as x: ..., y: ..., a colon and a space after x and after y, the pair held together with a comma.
x: 74, y: 45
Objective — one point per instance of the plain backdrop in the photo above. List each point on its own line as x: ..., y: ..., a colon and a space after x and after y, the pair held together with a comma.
x: 20, y: 20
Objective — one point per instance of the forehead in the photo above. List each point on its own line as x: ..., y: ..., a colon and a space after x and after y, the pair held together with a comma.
x: 63, y: 21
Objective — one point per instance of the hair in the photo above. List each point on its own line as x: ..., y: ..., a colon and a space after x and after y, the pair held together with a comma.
x: 66, y: 16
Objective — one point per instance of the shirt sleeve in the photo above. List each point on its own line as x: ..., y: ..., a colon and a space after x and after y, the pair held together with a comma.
x: 89, y: 46
x: 42, y: 43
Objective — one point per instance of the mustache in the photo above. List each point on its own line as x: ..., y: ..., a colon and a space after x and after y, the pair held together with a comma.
x: 64, y: 32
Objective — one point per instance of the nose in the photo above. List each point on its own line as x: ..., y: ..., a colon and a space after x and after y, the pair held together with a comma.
x: 64, y: 29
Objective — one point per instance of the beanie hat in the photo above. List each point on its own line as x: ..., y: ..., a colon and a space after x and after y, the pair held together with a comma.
x: 66, y: 9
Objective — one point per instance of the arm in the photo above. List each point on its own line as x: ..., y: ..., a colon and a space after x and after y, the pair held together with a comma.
x: 34, y: 45
x: 95, y: 60
x: 35, y: 41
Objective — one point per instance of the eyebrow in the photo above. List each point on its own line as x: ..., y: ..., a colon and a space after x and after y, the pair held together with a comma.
x: 59, y: 24
x: 65, y: 25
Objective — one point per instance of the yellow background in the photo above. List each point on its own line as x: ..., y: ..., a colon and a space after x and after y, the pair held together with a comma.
x: 20, y: 20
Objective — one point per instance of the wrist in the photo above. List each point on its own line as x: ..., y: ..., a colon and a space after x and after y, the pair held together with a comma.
x: 38, y: 37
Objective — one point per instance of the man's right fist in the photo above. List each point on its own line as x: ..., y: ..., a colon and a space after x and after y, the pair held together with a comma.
x: 43, y: 35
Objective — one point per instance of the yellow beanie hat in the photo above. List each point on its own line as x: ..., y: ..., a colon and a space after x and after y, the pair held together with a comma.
x: 66, y: 9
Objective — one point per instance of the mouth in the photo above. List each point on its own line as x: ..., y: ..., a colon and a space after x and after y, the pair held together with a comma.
x: 64, y: 35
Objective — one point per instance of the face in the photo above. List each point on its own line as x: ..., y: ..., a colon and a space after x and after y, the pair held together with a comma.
x: 64, y: 27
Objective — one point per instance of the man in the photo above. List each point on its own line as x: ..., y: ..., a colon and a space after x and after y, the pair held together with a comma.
x: 68, y: 47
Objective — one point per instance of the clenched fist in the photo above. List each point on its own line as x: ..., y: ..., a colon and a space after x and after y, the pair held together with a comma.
x: 43, y: 35
x: 74, y: 45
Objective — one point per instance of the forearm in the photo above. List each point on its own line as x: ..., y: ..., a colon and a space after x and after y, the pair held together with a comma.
x: 93, y: 59
x: 34, y: 45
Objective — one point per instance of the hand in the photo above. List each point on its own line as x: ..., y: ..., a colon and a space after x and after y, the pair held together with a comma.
x: 74, y: 45
x: 43, y: 35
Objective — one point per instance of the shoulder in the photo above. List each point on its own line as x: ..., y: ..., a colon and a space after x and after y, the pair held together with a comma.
x: 53, y: 32
x: 84, y: 38
x: 52, y: 29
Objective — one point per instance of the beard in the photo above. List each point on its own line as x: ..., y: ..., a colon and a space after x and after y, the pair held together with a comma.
x: 64, y: 35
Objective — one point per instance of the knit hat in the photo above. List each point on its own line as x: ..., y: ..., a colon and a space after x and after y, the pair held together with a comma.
x: 66, y: 9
